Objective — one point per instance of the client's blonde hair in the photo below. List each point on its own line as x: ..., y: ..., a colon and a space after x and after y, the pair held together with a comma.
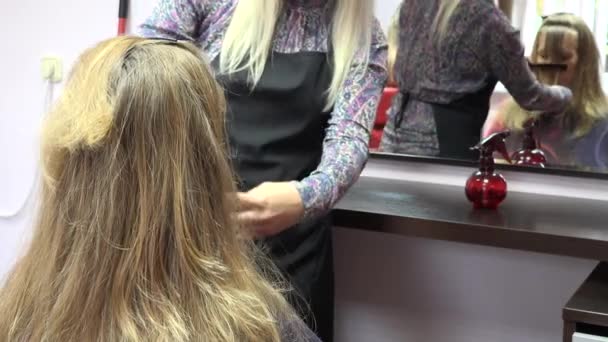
x: 135, y: 239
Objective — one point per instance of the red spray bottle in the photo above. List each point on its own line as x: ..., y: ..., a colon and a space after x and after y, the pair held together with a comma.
x: 530, y: 154
x: 486, y: 188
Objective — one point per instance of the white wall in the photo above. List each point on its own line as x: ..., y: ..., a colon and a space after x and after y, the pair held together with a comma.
x: 33, y: 29
x: 385, y: 10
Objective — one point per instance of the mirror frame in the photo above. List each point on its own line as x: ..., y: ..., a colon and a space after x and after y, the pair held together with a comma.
x: 474, y: 165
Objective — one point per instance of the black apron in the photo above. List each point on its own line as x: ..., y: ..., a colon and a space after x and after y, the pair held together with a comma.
x: 458, y: 124
x: 276, y: 134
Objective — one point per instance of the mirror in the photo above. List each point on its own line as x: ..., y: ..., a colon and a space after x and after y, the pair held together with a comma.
x: 560, y: 39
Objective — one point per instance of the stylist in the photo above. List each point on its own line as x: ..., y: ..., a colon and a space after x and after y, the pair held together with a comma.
x: 302, y: 79
x: 446, y: 70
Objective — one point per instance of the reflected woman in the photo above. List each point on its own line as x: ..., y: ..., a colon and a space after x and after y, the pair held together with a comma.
x: 446, y: 70
x: 578, y: 136
x: 391, y: 86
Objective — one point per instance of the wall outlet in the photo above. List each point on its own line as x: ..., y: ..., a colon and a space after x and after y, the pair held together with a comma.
x: 52, y: 69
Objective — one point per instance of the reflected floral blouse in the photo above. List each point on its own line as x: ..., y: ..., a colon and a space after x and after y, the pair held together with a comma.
x: 479, y: 47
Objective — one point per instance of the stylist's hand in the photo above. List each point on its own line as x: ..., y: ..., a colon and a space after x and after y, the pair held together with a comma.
x: 270, y: 208
x: 566, y: 96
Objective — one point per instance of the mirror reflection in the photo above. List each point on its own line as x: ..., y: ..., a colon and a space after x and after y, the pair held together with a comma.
x: 479, y: 67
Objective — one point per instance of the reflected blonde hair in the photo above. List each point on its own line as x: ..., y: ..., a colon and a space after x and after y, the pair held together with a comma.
x: 506, y: 6
x: 393, y: 44
x: 446, y: 10
x: 589, y: 104
x: 135, y: 239
x: 248, y: 40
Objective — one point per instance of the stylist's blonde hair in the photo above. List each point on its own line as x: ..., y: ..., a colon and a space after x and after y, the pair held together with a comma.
x: 393, y: 44
x: 446, y: 10
x: 589, y: 104
x: 248, y: 40
x: 135, y: 239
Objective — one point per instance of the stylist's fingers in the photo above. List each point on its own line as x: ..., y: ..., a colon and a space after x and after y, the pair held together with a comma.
x: 245, y: 218
x: 251, y: 223
x: 249, y: 219
x: 247, y: 201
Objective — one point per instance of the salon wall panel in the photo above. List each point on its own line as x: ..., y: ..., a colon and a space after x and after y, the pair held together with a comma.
x: 32, y: 30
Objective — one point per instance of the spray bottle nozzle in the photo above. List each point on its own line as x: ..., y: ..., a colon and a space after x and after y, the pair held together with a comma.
x: 494, y: 143
x: 529, y: 142
x: 530, y: 123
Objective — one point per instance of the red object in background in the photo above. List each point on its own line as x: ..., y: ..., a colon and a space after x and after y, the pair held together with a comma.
x: 383, y: 106
x: 529, y: 154
x: 122, y: 26
x: 535, y: 157
x: 123, y: 10
x: 486, y: 188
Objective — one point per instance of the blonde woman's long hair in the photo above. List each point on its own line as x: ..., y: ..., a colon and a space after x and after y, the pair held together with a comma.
x: 445, y: 12
x: 249, y: 37
x: 589, y: 104
x: 393, y: 44
x: 135, y: 239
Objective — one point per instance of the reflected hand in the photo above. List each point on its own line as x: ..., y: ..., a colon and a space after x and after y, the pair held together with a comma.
x: 566, y: 94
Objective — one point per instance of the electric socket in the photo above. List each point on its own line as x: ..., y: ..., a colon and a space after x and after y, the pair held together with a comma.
x: 52, y: 69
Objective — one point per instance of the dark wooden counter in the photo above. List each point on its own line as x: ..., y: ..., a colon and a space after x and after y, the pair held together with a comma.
x: 546, y: 224
x: 589, y: 304
x: 587, y: 309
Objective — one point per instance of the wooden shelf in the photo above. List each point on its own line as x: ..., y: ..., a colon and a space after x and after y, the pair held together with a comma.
x: 546, y: 224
